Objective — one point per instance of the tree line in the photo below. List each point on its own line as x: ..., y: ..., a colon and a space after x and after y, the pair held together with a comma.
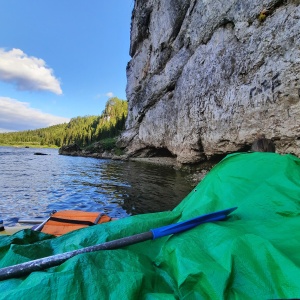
x: 80, y: 130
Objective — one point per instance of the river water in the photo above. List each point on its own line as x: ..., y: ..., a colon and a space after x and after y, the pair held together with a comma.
x: 31, y: 186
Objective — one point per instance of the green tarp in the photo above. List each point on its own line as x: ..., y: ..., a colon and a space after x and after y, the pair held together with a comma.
x: 254, y: 254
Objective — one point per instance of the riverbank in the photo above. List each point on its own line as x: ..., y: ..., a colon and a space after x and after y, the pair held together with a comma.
x: 29, y: 145
x: 196, y: 171
x: 165, y: 161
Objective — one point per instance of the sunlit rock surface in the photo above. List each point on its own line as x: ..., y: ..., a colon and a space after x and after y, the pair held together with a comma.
x: 206, y: 77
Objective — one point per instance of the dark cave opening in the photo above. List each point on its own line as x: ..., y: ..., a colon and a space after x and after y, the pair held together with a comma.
x: 154, y: 152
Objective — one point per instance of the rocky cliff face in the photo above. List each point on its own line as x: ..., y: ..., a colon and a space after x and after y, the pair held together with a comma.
x: 207, y: 76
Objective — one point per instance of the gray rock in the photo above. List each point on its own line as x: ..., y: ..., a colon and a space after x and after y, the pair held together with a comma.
x: 206, y: 77
x: 72, y: 149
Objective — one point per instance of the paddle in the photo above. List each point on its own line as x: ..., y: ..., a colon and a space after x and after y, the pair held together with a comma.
x: 40, y: 227
x: 55, y: 260
x: 31, y: 221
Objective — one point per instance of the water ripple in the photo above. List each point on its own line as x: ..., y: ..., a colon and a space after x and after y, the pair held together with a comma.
x: 32, y: 186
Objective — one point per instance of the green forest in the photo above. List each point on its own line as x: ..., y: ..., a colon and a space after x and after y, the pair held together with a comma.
x: 80, y: 130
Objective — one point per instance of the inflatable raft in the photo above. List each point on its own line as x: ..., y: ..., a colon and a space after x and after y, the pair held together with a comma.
x: 59, y: 223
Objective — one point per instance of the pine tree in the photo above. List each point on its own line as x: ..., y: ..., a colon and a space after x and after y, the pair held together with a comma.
x: 81, y: 130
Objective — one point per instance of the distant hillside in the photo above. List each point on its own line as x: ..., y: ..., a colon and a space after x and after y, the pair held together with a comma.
x: 80, y: 130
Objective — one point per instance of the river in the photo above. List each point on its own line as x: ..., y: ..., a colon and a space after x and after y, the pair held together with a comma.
x: 32, y: 186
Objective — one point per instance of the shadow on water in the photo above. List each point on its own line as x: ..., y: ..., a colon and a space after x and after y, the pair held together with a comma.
x: 146, y: 187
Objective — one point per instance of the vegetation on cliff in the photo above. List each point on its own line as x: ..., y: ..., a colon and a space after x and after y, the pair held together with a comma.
x: 82, y: 131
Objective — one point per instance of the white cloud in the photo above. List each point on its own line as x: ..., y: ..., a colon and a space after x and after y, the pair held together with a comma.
x: 17, y: 116
x: 109, y: 94
x: 27, y: 72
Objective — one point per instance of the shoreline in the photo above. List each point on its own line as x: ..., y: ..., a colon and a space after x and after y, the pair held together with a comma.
x: 165, y: 161
x: 197, y: 171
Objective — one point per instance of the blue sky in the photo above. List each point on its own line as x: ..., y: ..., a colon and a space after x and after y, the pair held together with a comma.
x: 61, y: 59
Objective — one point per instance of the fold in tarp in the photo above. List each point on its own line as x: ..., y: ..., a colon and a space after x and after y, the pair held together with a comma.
x: 254, y: 254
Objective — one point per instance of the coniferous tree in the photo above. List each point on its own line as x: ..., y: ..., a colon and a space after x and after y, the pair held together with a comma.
x: 80, y: 130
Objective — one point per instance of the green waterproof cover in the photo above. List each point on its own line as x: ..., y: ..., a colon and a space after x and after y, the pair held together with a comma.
x: 254, y: 254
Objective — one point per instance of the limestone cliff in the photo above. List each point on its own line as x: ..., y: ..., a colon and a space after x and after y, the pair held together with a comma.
x: 207, y: 76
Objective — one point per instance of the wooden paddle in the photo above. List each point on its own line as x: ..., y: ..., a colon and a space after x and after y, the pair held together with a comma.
x: 55, y: 260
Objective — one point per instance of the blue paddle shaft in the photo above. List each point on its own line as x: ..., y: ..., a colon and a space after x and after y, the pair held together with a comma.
x: 55, y: 260
x: 185, y: 225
